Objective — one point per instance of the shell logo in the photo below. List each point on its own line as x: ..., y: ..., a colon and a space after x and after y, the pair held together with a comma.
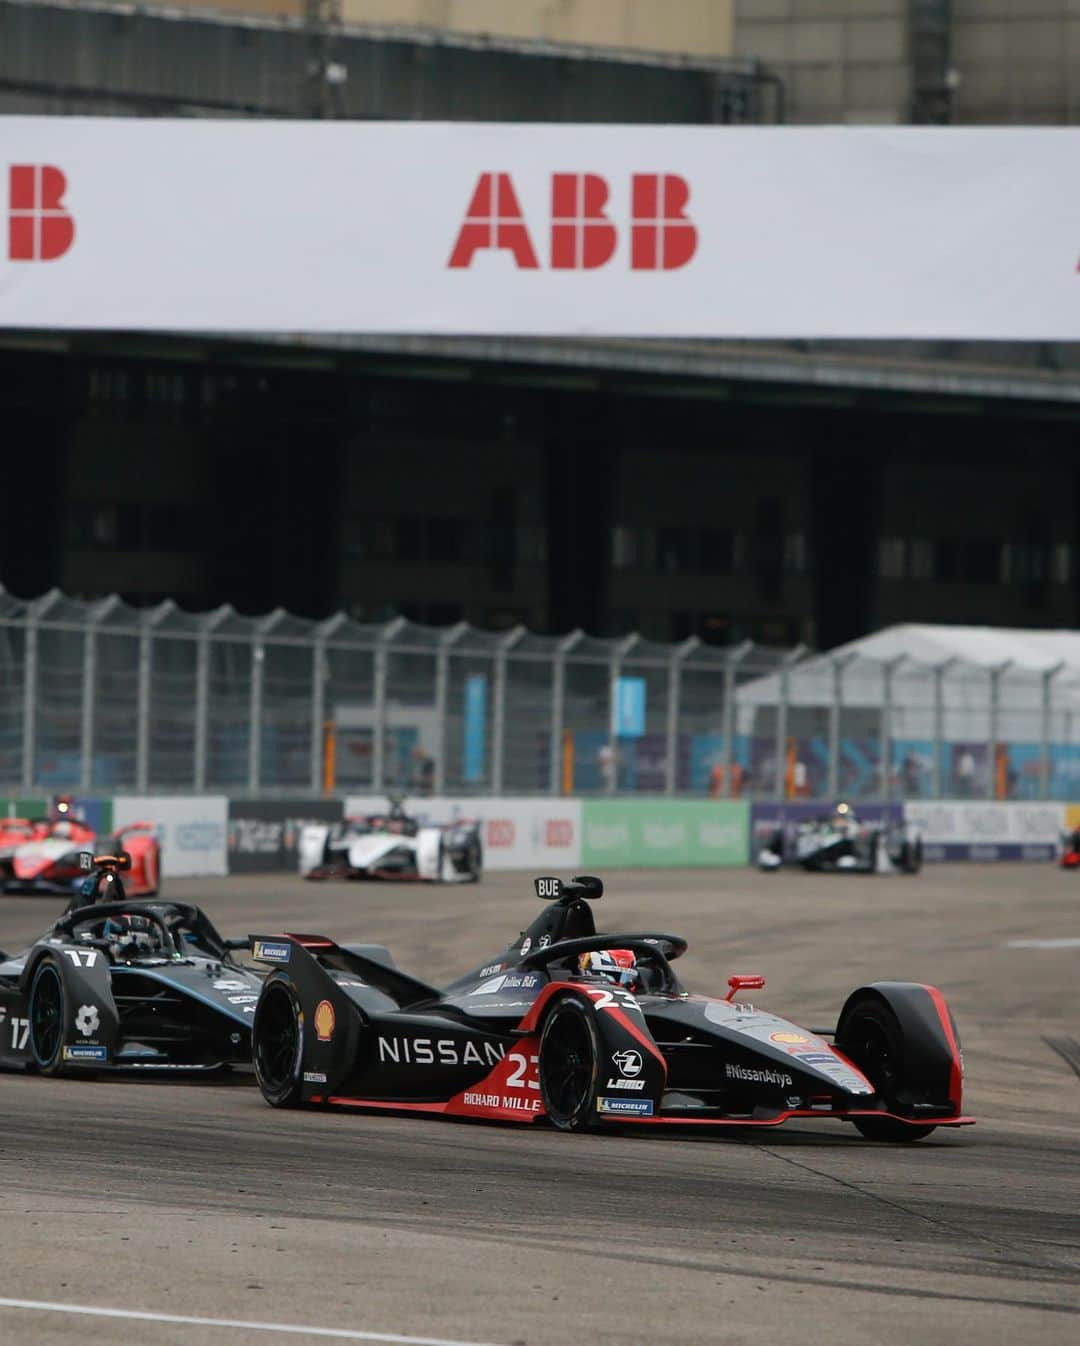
x: 789, y: 1038
x: 324, y: 1021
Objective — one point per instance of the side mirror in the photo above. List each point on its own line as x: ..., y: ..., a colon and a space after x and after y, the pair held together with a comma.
x: 745, y: 982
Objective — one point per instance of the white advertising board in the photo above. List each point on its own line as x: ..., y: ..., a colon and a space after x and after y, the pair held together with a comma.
x: 538, y: 834
x: 992, y: 830
x: 192, y: 830
x: 540, y: 229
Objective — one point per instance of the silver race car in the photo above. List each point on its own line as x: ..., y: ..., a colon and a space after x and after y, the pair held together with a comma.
x: 841, y: 842
x: 392, y: 845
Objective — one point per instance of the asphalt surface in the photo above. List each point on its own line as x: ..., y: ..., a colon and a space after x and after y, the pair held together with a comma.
x: 197, y: 1200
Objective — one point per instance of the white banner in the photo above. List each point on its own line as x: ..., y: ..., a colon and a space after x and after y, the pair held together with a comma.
x: 541, y: 834
x: 192, y: 831
x: 963, y: 830
x: 540, y: 230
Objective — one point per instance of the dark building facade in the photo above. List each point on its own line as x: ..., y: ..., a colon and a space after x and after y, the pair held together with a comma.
x: 454, y: 488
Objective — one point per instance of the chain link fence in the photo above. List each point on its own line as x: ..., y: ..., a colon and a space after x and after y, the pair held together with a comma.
x: 99, y: 696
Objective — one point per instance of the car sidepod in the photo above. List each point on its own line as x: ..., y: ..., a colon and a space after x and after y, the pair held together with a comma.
x: 91, y: 1021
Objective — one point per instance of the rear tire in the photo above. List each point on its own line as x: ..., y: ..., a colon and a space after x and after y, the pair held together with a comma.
x: 871, y: 1038
x: 569, y: 1065
x: 277, y: 1043
x: 47, y: 1012
x: 911, y: 856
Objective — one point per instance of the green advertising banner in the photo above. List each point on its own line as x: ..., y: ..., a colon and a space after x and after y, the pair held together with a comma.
x: 24, y: 808
x: 647, y: 833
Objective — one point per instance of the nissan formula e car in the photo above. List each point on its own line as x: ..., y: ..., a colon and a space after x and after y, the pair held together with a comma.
x: 127, y: 986
x: 41, y: 855
x: 392, y: 845
x: 536, y: 1033
x: 841, y: 842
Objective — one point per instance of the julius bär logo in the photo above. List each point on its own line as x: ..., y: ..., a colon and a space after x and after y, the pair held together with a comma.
x: 583, y: 235
x: 40, y: 228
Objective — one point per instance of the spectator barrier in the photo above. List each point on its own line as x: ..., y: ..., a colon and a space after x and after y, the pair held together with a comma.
x: 214, y: 835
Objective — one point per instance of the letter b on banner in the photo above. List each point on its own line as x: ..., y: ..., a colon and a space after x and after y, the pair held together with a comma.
x: 582, y: 236
x: 40, y: 229
x: 662, y: 238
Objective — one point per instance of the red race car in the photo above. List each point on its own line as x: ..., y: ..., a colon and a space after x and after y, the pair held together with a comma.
x: 41, y: 855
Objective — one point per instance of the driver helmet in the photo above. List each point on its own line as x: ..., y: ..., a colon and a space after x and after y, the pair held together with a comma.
x: 132, y: 936
x: 843, y: 815
x: 618, y: 966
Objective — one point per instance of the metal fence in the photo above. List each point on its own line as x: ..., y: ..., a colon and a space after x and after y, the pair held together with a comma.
x: 105, y: 697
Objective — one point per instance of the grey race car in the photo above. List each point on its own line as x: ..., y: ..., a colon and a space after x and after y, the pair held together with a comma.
x: 125, y: 985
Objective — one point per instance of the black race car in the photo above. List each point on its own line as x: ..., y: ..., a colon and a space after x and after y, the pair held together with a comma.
x: 125, y: 985
x: 588, y: 1029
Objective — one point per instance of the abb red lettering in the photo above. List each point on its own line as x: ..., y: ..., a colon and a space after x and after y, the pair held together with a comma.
x: 500, y: 832
x: 39, y: 228
x: 661, y: 236
x: 582, y: 236
x: 494, y: 220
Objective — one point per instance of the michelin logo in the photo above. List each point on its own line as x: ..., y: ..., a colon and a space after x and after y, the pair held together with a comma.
x: 266, y: 952
x: 636, y: 1107
x: 85, y: 1054
x: 745, y: 1076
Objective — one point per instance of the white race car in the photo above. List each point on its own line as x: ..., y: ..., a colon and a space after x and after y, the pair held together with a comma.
x: 392, y: 845
x: 841, y: 842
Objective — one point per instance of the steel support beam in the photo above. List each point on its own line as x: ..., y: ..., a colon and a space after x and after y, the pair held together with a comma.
x: 378, y: 747
x: 622, y: 649
x: 498, y: 710
x: 558, y: 707
x: 674, y: 705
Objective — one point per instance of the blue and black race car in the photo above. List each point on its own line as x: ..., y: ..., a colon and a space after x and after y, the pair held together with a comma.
x: 126, y: 985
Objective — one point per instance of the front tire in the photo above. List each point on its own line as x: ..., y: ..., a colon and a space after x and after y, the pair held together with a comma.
x: 871, y: 1038
x: 277, y: 1043
x: 569, y: 1065
x: 47, y: 1012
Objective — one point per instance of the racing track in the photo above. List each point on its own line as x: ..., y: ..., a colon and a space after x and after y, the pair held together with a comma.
x: 200, y: 1200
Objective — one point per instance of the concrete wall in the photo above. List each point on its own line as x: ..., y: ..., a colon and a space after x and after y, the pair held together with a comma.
x: 1018, y: 61
x: 698, y: 27
x: 1014, y: 62
x: 841, y: 60
x: 702, y: 27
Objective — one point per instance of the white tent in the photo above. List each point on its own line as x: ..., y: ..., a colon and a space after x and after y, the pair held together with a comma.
x: 927, y: 684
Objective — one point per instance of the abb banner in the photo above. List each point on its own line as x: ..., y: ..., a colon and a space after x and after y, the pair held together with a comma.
x: 559, y: 230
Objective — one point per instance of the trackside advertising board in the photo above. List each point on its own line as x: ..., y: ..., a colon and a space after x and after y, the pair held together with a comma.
x: 966, y: 830
x: 686, y: 231
x: 648, y: 833
x: 191, y: 830
x: 263, y: 833
x: 516, y: 833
